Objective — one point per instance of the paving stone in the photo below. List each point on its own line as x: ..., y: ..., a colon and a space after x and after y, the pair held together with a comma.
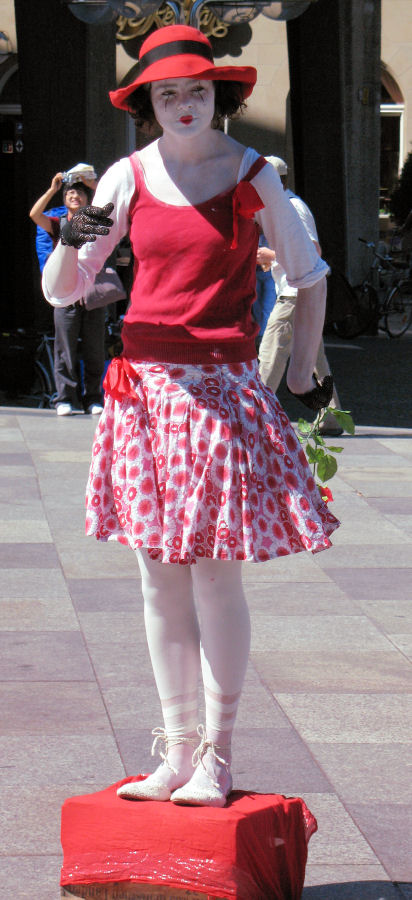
x: 103, y: 594
x: 88, y: 758
x: 25, y: 531
x: 298, y: 567
x: 325, y: 711
x: 403, y: 642
x: 379, y: 819
x: 337, y: 837
x: 37, y: 615
x: 350, y: 718
x: 15, y: 459
x: 360, y: 772
x: 304, y: 633
x: 28, y: 556
x: 27, y: 877
x: 333, y: 671
x: 15, y: 490
x: 358, y: 556
x: 282, y: 765
x: 373, y: 580
x: 43, y: 656
x: 33, y: 583
x: 52, y: 708
x: 292, y: 598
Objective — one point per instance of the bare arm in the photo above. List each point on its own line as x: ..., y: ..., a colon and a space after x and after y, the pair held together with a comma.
x: 37, y: 211
x: 307, y: 333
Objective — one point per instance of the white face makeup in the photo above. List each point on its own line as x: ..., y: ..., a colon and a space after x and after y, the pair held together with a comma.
x: 183, y: 106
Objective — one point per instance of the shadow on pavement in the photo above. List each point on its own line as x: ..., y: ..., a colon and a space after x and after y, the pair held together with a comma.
x: 359, y: 890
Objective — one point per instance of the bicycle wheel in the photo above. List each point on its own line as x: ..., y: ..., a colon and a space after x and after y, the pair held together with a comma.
x: 355, y: 308
x: 398, y: 310
x: 41, y: 388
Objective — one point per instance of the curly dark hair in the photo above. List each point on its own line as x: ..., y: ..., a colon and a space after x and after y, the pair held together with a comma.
x: 228, y: 101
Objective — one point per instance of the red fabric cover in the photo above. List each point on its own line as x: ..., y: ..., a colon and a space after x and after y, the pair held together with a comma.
x: 253, y: 849
x: 195, y: 276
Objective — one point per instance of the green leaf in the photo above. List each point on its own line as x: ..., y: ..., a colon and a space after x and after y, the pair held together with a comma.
x: 304, y: 426
x: 318, y: 439
x: 327, y: 467
x: 314, y: 455
x: 345, y: 420
x: 335, y: 449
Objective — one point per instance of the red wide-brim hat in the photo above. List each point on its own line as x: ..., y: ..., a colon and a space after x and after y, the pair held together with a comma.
x: 180, y: 51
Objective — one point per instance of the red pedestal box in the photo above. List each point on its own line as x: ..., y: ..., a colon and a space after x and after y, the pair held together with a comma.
x: 253, y: 849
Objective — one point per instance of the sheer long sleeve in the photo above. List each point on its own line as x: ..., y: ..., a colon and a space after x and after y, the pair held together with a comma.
x: 67, y: 274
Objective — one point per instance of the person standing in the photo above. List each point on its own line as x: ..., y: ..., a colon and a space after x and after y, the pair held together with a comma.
x: 265, y: 295
x: 276, y: 345
x: 195, y: 465
x: 74, y: 321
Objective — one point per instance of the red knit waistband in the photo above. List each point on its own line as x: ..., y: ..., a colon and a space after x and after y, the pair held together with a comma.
x: 188, y: 352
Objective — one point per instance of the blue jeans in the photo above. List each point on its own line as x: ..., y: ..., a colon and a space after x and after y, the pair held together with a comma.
x: 265, y: 299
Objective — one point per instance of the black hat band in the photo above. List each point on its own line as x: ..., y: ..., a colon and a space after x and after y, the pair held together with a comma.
x: 174, y: 48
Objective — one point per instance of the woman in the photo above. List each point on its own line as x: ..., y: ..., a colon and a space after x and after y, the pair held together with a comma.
x: 195, y: 464
x: 74, y: 321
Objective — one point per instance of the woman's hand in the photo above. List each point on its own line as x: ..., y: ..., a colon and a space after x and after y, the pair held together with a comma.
x: 265, y: 257
x: 86, y: 224
x: 56, y: 182
x: 319, y: 396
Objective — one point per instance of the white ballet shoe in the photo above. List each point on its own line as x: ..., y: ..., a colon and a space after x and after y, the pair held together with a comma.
x: 166, y: 778
x: 211, y: 781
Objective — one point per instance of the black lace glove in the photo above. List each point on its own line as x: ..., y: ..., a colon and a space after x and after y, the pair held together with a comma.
x: 320, y: 396
x: 86, y: 224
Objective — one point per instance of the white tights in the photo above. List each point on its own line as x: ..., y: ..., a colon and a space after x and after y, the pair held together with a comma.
x: 213, y: 635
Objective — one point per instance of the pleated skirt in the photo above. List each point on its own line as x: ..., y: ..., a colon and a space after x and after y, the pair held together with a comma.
x: 201, y: 461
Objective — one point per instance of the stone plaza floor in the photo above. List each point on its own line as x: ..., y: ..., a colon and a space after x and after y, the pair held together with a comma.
x: 326, y: 712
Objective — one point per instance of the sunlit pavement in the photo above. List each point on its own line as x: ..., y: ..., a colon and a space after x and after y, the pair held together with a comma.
x: 326, y: 711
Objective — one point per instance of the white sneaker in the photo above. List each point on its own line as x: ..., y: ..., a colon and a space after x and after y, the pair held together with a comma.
x: 95, y: 409
x: 64, y: 409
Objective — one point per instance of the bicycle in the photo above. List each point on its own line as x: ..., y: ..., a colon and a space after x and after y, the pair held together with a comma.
x: 383, y: 300
x: 43, y: 388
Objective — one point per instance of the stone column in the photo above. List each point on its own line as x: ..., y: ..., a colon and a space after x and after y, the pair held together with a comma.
x: 334, y: 59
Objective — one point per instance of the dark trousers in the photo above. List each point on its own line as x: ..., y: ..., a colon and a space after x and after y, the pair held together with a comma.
x: 70, y: 324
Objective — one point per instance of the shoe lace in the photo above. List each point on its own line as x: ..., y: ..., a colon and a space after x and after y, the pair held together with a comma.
x: 205, y: 747
x: 160, y: 736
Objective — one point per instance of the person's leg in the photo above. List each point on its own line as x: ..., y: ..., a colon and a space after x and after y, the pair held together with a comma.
x: 225, y: 641
x: 92, y: 335
x: 172, y: 631
x: 268, y: 300
x: 67, y: 328
x: 275, y: 347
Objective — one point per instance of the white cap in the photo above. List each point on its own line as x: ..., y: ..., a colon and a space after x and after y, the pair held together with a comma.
x: 278, y: 163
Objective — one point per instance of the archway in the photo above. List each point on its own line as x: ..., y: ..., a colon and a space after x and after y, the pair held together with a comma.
x: 392, y: 137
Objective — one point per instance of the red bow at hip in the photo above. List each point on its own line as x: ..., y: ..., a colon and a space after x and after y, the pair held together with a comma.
x: 246, y: 202
x: 119, y: 379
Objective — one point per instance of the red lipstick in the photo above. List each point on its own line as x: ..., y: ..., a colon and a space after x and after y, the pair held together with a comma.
x: 186, y: 120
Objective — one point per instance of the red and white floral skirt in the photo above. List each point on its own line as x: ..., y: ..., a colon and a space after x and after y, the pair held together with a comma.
x: 201, y: 461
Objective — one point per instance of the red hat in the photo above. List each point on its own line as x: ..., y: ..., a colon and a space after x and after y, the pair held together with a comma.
x: 180, y: 51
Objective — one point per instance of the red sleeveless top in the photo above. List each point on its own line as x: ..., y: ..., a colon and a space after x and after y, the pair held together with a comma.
x: 195, y: 276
